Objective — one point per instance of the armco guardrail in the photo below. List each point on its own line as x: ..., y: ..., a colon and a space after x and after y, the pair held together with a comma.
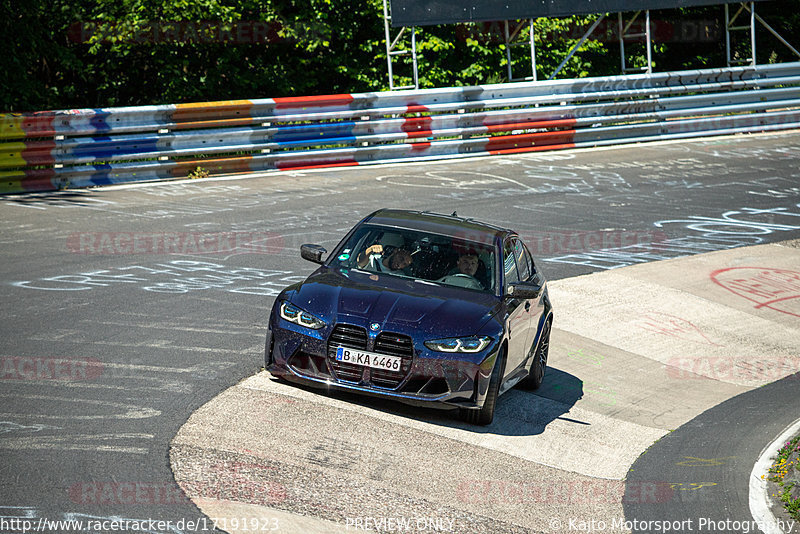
x: 52, y: 150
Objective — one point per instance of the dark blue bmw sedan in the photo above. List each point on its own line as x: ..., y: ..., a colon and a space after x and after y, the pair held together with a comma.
x: 428, y: 309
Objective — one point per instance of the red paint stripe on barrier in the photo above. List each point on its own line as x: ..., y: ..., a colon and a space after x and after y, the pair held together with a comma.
x: 417, y: 127
x: 321, y: 165
x: 35, y: 125
x: 528, y: 140
x: 33, y: 174
x: 416, y: 108
x: 298, y: 165
x: 39, y: 153
x: 32, y: 185
x: 532, y: 149
x: 529, y: 125
x: 313, y: 101
x: 420, y: 147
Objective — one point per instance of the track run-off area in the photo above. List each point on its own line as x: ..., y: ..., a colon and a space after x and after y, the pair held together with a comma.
x: 133, y: 325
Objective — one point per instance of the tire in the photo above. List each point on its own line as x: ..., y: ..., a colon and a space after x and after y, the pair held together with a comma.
x: 485, y: 415
x: 268, y: 347
x: 539, y: 364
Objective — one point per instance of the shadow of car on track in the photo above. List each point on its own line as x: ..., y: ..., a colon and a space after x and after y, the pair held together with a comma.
x: 518, y: 413
x: 527, y: 413
x: 65, y: 198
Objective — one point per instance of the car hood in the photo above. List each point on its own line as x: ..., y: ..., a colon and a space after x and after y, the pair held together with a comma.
x: 396, y: 304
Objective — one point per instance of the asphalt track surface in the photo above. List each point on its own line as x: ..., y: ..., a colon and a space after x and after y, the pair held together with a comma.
x: 716, y: 450
x: 131, y: 340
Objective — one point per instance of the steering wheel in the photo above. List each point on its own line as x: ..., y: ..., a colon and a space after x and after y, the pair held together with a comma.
x: 462, y: 280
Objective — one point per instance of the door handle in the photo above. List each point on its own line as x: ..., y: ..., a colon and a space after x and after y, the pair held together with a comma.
x: 527, y: 306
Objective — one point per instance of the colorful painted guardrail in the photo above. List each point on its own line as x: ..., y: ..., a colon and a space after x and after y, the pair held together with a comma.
x: 51, y: 150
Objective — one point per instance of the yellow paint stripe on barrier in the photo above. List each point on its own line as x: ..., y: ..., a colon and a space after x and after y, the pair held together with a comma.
x: 6, y: 176
x: 11, y: 155
x: 11, y: 186
x: 212, y: 105
x: 11, y: 126
x: 223, y: 109
x: 18, y: 182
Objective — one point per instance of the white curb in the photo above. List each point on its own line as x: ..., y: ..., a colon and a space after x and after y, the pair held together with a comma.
x: 759, y: 501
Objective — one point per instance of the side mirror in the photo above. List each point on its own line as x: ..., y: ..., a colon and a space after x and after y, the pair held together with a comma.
x: 524, y: 290
x: 312, y: 253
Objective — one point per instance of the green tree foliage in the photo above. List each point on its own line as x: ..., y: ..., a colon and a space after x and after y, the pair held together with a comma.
x: 98, y: 53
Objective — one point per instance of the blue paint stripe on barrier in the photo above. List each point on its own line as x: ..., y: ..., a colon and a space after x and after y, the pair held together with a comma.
x: 105, y: 151
x: 101, y: 179
x: 99, y: 121
x: 309, y: 132
x: 327, y: 140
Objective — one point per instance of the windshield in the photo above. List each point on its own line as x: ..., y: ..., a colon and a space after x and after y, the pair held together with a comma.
x: 440, y: 259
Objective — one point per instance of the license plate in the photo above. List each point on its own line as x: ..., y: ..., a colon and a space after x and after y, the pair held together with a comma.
x: 368, y: 359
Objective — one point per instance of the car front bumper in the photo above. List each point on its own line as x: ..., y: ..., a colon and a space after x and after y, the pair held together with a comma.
x: 436, y: 380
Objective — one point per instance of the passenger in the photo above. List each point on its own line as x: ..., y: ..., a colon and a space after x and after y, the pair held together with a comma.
x: 374, y: 259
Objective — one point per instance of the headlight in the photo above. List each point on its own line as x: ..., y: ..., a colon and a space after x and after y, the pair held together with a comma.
x: 459, y: 344
x: 296, y: 315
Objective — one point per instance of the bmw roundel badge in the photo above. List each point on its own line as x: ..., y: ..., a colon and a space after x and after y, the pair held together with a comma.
x: 375, y: 327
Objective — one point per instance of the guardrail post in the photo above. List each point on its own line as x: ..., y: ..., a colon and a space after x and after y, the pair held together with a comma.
x: 729, y: 27
x: 509, y: 42
x: 771, y: 30
x: 392, y: 51
x: 623, y: 34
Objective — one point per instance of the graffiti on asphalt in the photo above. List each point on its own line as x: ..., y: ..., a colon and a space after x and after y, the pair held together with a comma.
x: 735, y: 228
x: 178, y: 276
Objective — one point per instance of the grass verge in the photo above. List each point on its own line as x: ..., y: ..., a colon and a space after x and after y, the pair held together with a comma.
x: 785, y: 473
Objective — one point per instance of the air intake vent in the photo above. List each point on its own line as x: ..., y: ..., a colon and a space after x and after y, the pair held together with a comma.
x: 393, y: 345
x: 349, y: 336
x: 346, y: 335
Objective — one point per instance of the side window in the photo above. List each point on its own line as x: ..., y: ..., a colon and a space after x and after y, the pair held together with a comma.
x: 523, y: 260
x: 530, y: 257
x: 509, y: 263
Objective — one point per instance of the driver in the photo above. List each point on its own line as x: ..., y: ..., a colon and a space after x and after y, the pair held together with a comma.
x: 468, y: 264
x: 464, y: 272
x: 394, y: 262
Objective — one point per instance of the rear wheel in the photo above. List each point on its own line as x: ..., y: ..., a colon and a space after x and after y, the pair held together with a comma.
x: 485, y: 415
x: 539, y: 364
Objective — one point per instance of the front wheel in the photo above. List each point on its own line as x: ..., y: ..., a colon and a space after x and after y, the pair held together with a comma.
x: 539, y: 365
x: 269, y: 346
x: 485, y: 415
